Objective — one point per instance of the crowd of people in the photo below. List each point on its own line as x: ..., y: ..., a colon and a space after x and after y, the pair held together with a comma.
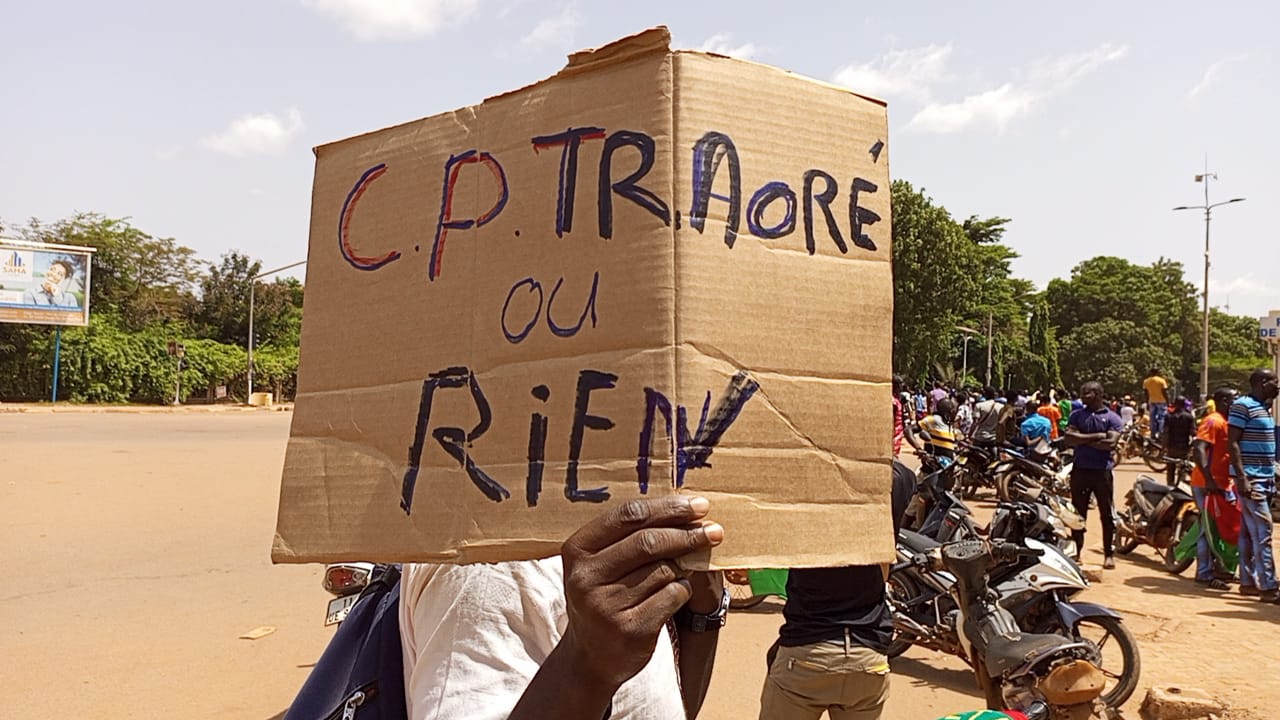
x: 615, y: 628
x: 1232, y: 447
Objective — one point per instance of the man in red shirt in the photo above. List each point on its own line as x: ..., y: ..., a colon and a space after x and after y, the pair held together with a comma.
x: 899, y: 424
x: 1211, y: 475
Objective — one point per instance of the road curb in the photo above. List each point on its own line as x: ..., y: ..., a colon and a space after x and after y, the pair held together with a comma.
x: 138, y: 409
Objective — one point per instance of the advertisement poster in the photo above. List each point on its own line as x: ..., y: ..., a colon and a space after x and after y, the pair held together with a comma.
x: 44, y: 284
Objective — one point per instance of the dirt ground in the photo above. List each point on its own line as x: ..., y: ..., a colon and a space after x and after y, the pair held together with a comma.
x: 135, y: 550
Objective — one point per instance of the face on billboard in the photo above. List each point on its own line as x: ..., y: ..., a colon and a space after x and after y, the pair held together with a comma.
x: 44, y: 286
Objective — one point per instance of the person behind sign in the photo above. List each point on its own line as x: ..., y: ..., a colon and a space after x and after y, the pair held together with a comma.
x: 1157, y: 389
x: 831, y: 650
x: 51, y: 291
x: 1179, y: 430
x: 1211, y: 475
x: 1251, y: 440
x: 1093, y: 431
x: 581, y: 636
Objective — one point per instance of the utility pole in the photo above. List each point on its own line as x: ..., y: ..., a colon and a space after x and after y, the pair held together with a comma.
x: 253, y: 284
x: 1208, y: 216
x: 989, y: 321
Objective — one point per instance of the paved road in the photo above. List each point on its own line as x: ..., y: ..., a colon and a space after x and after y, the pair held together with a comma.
x: 135, y: 552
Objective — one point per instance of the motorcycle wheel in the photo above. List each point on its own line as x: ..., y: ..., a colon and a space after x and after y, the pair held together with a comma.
x: 1128, y: 543
x: 1113, y: 639
x: 1172, y: 563
x: 901, y: 589
x: 968, y: 483
x: 1153, y: 456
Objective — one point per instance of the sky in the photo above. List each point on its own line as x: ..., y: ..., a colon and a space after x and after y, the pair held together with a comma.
x: 1085, y: 123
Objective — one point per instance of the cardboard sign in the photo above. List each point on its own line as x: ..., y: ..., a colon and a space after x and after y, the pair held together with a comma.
x: 655, y: 272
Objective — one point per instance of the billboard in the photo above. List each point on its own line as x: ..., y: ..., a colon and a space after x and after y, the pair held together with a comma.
x: 44, y: 284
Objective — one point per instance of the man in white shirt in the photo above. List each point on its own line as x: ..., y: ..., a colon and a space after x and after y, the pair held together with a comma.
x: 580, y: 636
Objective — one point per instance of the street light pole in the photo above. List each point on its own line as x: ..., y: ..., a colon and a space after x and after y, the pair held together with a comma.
x: 968, y: 333
x: 253, y: 285
x: 1208, y: 217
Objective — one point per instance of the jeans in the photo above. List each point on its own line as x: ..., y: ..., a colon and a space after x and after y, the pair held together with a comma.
x: 1204, y: 556
x: 1101, y: 484
x: 1257, y: 563
x: 1158, y: 413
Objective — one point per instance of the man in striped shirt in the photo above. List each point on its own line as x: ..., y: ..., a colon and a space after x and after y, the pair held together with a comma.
x: 1251, y: 440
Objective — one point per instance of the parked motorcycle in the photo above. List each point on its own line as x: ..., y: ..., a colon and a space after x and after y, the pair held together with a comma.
x: 1036, y: 591
x: 1046, y: 676
x: 1018, y: 473
x: 1158, y: 515
x: 345, y: 581
x: 975, y: 468
x: 937, y: 512
x: 1133, y: 443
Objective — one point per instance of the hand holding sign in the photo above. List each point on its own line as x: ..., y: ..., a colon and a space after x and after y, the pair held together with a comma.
x: 622, y: 584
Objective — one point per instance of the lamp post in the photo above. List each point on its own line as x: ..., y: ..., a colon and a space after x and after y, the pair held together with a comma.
x: 968, y: 333
x: 1208, y: 216
x: 253, y: 284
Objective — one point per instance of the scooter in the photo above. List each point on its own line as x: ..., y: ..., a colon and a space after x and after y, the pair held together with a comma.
x: 937, y: 512
x: 344, y: 581
x: 1158, y: 515
x: 1043, y: 676
x: 1036, y: 591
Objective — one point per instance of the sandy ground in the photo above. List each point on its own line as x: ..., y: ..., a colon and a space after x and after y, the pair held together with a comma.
x: 135, y: 553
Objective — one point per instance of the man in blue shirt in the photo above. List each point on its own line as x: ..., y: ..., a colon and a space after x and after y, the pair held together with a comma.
x: 1036, y: 425
x: 1093, y: 431
x: 1251, y: 441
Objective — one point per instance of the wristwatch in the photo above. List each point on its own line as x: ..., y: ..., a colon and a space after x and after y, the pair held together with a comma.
x: 700, y: 622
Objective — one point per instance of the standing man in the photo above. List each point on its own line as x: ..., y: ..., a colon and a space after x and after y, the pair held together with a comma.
x: 831, y: 651
x: 1212, y: 474
x: 1053, y: 414
x: 1036, y: 425
x: 1251, y: 438
x: 1157, y: 389
x: 1179, y: 428
x: 899, y: 415
x: 1064, y: 406
x: 938, y: 392
x: 1093, y: 431
x: 939, y: 435
x: 991, y: 418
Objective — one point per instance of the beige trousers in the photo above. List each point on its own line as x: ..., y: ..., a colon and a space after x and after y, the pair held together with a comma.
x: 848, y: 681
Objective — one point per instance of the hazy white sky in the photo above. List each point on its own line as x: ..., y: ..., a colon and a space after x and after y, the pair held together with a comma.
x: 1084, y: 122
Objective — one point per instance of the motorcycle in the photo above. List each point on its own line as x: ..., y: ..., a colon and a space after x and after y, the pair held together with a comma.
x: 1036, y: 591
x: 1045, y: 676
x: 935, y: 511
x: 345, y: 581
x: 1132, y: 443
x: 1040, y: 467
x: 976, y: 468
x: 1158, y: 515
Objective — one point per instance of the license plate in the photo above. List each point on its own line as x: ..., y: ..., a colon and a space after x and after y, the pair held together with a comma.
x: 338, y: 609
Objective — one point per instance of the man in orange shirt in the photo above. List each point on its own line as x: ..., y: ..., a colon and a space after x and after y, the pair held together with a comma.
x: 1050, y: 410
x: 1211, y: 475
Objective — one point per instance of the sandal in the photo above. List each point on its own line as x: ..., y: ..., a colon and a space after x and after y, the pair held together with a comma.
x: 1214, y: 584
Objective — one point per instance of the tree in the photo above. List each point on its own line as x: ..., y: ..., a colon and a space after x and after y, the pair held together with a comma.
x: 146, y: 279
x: 947, y: 274
x: 223, y: 313
x: 1116, y: 320
x: 1042, y: 342
x: 933, y: 281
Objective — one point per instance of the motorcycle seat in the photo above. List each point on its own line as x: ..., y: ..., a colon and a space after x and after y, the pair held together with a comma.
x: 1151, y: 487
x: 916, y: 542
x: 1004, y: 653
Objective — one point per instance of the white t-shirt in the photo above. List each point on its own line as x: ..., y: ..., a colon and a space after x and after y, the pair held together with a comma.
x: 475, y: 635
